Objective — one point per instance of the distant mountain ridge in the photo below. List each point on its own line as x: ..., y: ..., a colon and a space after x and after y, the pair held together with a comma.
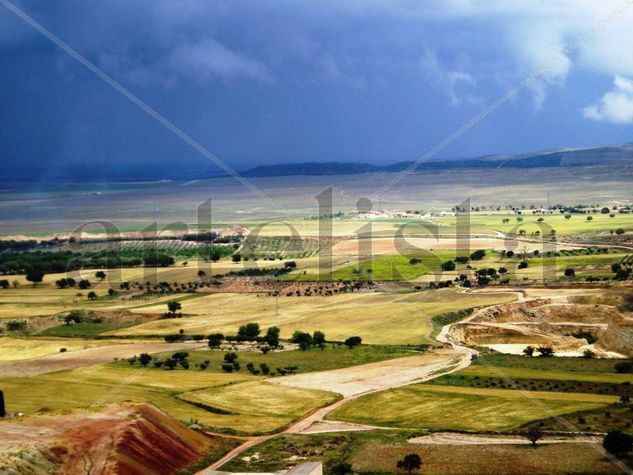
x: 602, y: 155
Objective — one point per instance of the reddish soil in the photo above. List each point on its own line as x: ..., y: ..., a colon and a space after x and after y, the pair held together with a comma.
x: 128, y: 440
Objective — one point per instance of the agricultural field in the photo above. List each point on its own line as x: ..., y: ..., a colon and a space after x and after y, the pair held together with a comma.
x: 438, y: 407
x: 378, y: 317
x: 379, y: 451
x: 14, y: 349
x: 577, y: 224
x: 258, y: 406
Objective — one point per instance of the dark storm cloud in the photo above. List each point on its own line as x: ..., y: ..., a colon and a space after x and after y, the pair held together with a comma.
x: 277, y: 81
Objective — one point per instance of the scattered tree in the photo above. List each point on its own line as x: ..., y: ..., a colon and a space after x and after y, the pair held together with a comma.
x: 272, y: 336
x: 35, y: 277
x: 144, y: 359
x: 173, y: 307
x: 353, y: 341
x: 410, y: 463
x: 249, y: 332
x: 534, y: 434
x: 618, y: 443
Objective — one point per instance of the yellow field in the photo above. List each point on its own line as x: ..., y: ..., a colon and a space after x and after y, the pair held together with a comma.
x: 175, y: 380
x: 14, y: 349
x: 378, y: 317
x: 260, y: 406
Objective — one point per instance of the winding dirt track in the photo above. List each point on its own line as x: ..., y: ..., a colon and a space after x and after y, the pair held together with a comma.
x: 455, y: 350
x: 446, y: 361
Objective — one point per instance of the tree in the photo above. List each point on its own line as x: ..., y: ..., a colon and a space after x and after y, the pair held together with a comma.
x: 624, y: 367
x: 625, y: 399
x: 173, y: 307
x: 170, y: 364
x: 215, y: 340
x: 35, y: 277
x: 545, y: 351
x: 618, y: 443
x: 567, y: 216
x: 272, y: 336
x: 619, y: 231
x: 92, y: 295
x: 201, y: 273
x: 410, y: 462
x: 529, y: 350
x: 353, y: 341
x: 589, y: 218
x: 84, y: 284
x: 144, y: 359
x: 318, y: 338
x: 180, y: 355
x: 236, y: 257
x: 230, y: 357
x: 502, y: 270
x: 569, y: 272
x: 478, y: 255
x: 100, y: 275
x: 534, y: 434
x: 448, y: 266
x: 588, y: 354
x: 249, y: 332
x: 264, y: 368
x: 300, y: 338
x: 74, y: 316
x: 341, y: 469
x: 4, y: 283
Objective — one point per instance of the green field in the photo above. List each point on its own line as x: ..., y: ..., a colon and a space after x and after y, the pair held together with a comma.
x: 314, y: 359
x: 577, y: 224
x: 259, y: 407
x: 583, y: 365
x: 461, y: 408
x: 530, y: 373
x: 222, y: 404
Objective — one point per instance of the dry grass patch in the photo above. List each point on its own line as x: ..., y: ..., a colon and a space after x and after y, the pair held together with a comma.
x: 378, y: 317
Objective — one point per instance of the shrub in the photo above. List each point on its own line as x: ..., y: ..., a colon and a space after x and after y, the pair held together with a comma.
x: 353, y: 341
x: 478, y: 255
x: 618, y: 443
x: 448, y: 266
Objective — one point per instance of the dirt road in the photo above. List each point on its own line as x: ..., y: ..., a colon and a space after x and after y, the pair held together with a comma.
x: 359, y: 381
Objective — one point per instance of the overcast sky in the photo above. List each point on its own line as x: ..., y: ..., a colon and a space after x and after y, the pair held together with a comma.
x: 290, y: 80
